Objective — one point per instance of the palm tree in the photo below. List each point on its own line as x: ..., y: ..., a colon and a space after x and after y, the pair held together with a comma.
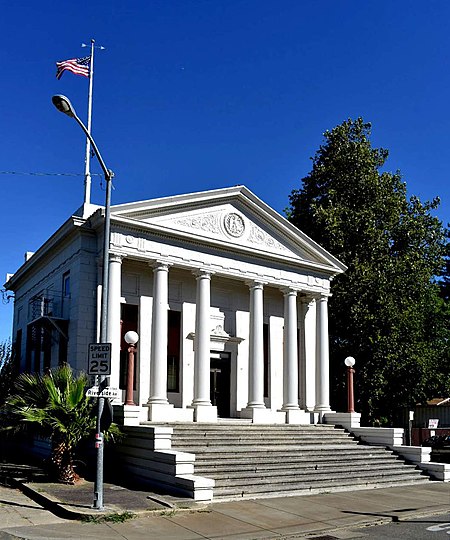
x: 57, y: 405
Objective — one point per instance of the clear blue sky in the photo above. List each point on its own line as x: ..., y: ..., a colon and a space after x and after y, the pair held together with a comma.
x: 200, y: 94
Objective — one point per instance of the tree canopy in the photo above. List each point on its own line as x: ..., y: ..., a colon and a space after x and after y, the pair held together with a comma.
x: 7, y: 371
x: 386, y: 310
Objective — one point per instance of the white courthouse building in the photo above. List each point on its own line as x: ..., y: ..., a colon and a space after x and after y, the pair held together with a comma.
x: 229, y: 300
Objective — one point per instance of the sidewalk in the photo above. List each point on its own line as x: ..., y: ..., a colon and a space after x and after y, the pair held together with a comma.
x: 163, y: 517
x: 76, y: 501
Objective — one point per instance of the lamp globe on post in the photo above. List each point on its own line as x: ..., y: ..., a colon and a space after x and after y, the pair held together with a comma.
x: 131, y: 338
x: 350, y: 362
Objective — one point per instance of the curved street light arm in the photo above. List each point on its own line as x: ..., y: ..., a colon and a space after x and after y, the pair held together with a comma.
x: 109, y: 175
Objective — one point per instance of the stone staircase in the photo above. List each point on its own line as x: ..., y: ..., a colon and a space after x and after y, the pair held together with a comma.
x: 251, y: 461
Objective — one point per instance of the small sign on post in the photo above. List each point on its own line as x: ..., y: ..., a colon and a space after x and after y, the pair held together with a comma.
x: 99, y: 359
x: 107, y: 392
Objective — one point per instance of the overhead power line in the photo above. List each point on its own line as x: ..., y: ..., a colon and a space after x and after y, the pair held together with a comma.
x: 46, y: 173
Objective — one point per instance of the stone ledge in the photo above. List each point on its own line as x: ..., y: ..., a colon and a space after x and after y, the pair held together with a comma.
x: 346, y: 420
x: 415, y: 454
x: 439, y: 471
x: 380, y: 436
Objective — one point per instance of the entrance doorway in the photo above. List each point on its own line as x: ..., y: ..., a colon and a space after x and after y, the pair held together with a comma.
x: 220, y: 371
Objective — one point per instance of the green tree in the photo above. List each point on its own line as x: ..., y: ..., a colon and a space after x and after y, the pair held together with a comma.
x: 56, y: 404
x: 7, y: 371
x: 445, y: 281
x: 386, y: 309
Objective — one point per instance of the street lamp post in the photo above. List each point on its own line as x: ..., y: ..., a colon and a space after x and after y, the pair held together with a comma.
x: 131, y: 338
x: 63, y: 104
x: 350, y: 362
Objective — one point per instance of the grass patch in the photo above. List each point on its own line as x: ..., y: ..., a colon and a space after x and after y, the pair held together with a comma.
x: 168, y: 513
x: 109, y: 518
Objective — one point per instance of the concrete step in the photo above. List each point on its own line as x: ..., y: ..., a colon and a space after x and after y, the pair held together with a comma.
x: 239, y: 467
x: 254, y: 461
x: 312, y: 474
x: 215, y: 440
x: 304, y: 454
x: 267, y: 483
x: 313, y: 487
x: 186, y: 437
x: 257, y: 429
x: 252, y: 429
x: 279, y: 450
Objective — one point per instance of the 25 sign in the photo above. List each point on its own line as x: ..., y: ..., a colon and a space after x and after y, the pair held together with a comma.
x: 99, y: 359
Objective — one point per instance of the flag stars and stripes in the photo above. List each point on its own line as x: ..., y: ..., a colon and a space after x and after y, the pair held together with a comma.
x: 77, y: 66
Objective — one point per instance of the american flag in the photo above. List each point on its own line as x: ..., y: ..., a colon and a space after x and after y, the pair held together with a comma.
x: 78, y: 66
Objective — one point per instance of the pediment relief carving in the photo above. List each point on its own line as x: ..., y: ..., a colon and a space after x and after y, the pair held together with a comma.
x: 204, y: 222
x: 231, y: 225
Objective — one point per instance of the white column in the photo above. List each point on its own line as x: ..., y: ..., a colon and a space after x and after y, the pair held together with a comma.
x: 290, y: 365
x: 202, y: 337
x: 256, y: 348
x: 307, y: 353
x: 113, y: 324
x: 322, y: 356
x: 203, y: 409
x: 158, y: 354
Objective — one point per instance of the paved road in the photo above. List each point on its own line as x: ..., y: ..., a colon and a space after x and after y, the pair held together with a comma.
x: 429, y: 528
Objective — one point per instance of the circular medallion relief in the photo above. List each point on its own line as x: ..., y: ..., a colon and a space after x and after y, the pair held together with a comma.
x: 234, y: 225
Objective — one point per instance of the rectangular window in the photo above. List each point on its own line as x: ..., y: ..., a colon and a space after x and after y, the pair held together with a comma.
x: 66, y: 285
x: 46, y: 348
x: 65, y: 296
x: 173, y: 351
x: 173, y: 371
x: 29, y: 349
x: 17, y: 352
x: 37, y: 346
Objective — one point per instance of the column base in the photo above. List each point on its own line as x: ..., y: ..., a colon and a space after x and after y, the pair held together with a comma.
x: 263, y: 415
x: 322, y: 408
x: 298, y: 416
x: 203, y: 413
x: 159, y: 412
x: 166, y: 412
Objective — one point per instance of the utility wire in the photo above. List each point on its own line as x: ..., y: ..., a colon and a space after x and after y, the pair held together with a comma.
x: 47, y: 174
x: 55, y: 174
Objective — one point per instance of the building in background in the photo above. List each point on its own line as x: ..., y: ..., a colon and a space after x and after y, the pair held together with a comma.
x: 229, y: 300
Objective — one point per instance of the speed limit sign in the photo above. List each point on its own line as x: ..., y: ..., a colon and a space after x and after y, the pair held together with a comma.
x: 99, y: 359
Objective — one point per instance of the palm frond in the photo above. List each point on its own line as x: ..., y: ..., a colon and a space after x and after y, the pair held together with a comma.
x: 57, y: 405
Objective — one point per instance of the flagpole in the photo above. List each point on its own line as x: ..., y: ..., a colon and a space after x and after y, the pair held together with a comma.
x: 87, y: 171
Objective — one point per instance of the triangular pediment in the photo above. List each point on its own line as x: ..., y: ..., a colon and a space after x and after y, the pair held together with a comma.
x: 231, y: 225
x: 233, y: 219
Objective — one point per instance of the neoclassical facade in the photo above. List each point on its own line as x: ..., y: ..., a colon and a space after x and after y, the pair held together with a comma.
x: 229, y: 300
